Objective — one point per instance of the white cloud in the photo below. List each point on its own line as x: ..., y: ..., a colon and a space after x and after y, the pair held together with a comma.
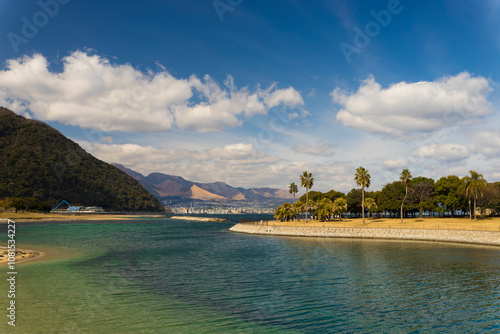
x: 487, y: 143
x: 239, y: 165
x: 394, y: 164
x: 407, y: 109
x: 321, y: 149
x: 446, y: 152
x: 91, y: 92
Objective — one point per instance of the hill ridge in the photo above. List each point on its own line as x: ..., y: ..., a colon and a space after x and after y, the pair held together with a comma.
x: 37, y: 161
x: 172, y: 186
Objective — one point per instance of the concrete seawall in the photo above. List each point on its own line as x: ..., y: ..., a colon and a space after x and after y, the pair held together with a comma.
x: 456, y: 236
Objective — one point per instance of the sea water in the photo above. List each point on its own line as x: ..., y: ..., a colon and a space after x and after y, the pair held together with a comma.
x: 171, y: 276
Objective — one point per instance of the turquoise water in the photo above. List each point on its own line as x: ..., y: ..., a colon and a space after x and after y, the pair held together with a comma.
x: 166, y: 276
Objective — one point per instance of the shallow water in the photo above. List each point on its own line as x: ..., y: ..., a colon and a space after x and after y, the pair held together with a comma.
x: 191, y: 277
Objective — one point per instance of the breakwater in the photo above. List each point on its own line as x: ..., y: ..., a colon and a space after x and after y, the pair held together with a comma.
x: 456, y: 236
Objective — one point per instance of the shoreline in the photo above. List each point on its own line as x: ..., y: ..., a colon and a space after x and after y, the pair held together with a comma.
x: 40, y: 217
x: 486, y: 238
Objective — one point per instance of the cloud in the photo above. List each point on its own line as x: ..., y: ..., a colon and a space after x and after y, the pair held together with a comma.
x: 394, y: 164
x: 408, y: 109
x: 91, y: 92
x: 321, y: 149
x: 238, y: 164
x: 445, y: 152
x: 487, y: 143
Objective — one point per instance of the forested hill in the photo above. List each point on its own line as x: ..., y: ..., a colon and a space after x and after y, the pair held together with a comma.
x: 37, y: 161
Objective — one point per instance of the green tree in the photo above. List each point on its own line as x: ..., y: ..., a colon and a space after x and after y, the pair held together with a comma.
x: 362, y: 178
x: 475, y: 185
x: 490, y: 199
x: 391, y: 196
x: 314, y: 196
x: 284, y: 212
x: 354, y: 199
x: 293, y: 190
x: 333, y: 195
x: 324, y: 209
x: 370, y: 204
x: 405, y: 177
x: 306, y: 180
x: 339, y: 206
x: 449, y: 193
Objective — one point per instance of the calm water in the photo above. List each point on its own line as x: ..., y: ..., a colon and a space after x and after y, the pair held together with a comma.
x: 166, y: 276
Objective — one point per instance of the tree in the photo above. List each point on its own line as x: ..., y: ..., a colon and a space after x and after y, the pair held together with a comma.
x: 333, y: 195
x: 475, y: 185
x: 449, y: 193
x: 490, y: 199
x: 293, y: 190
x: 298, y: 207
x: 370, y: 203
x: 314, y: 196
x: 354, y: 199
x: 339, y: 206
x: 284, y: 212
x: 422, y: 194
x: 391, y: 196
x: 325, y: 209
x: 306, y: 180
x: 362, y: 178
x: 405, y: 177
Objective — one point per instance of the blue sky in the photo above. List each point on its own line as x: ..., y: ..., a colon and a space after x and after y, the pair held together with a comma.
x: 252, y: 93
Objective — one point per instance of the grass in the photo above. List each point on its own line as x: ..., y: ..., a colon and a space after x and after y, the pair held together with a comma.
x: 485, y: 224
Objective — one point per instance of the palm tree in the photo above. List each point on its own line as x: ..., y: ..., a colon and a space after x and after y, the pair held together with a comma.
x: 465, y: 187
x: 370, y: 203
x: 293, y: 190
x: 285, y: 212
x: 340, y: 206
x: 325, y: 209
x: 476, y: 183
x: 306, y: 180
x: 405, y: 177
x: 297, y: 209
x: 362, y: 179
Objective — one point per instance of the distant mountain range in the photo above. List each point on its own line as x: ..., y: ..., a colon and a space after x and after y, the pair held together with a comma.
x: 38, y: 162
x: 169, y: 188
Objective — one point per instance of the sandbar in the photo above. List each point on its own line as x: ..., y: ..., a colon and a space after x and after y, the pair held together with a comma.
x: 22, y: 255
x: 200, y: 219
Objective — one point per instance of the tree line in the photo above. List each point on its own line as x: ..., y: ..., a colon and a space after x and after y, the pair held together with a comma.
x: 408, y: 197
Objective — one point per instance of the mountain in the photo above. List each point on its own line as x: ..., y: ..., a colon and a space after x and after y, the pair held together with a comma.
x: 168, y: 187
x: 37, y: 161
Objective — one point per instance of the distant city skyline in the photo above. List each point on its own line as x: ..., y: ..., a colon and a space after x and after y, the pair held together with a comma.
x: 253, y: 93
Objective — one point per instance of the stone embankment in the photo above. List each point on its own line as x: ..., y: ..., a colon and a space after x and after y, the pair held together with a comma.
x: 456, y: 236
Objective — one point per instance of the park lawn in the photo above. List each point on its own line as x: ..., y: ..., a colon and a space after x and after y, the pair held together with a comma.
x: 485, y: 224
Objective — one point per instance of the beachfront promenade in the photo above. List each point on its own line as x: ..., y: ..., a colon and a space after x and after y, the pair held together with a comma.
x: 456, y: 236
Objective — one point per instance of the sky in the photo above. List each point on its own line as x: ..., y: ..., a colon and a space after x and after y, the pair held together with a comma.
x: 253, y: 93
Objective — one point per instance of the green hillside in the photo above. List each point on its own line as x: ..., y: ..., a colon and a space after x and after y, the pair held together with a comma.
x: 37, y: 161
